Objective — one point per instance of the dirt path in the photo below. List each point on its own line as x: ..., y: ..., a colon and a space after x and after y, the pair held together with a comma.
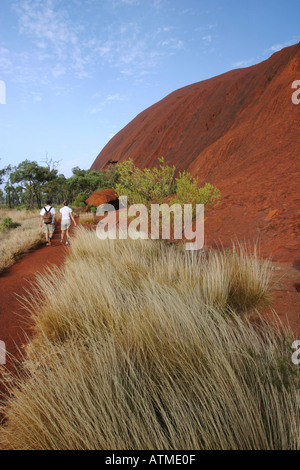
x: 286, y: 294
x: 14, y: 320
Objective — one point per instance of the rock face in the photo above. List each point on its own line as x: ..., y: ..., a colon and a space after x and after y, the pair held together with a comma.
x: 239, y: 131
x: 104, y: 196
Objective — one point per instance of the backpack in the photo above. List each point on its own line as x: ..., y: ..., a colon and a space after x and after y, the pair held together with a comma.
x: 47, y: 216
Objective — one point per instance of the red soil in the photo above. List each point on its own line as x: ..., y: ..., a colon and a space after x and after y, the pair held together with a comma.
x: 240, y: 132
x: 285, y: 295
x: 14, y: 320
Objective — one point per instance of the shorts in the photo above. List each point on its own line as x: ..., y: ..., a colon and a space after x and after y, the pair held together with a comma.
x: 49, y: 228
x: 65, y: 225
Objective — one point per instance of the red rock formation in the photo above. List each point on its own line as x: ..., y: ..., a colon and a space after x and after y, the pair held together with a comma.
x: 104, y: 196
x: 240, y: 132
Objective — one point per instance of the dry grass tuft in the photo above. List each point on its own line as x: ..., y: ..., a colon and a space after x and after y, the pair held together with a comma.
x: 20, y: 240
x: 86, y: 218
x: 140, y: 345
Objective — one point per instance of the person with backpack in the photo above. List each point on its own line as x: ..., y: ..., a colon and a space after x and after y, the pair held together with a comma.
x: 48, y: 220
x: 66, y: 217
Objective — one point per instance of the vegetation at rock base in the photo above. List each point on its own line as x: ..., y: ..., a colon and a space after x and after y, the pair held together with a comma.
x: 144, y: 186
x: 19, y: 233
x: 29, y: 185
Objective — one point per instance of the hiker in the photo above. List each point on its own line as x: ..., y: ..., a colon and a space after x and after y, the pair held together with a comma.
x: 65, y: 217
x: 48, y: 220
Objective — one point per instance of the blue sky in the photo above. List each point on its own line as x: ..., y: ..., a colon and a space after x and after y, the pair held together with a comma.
x: 77, y: 71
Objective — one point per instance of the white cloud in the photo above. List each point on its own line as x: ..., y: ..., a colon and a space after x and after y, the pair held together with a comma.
x: 107, y: 100
x: 43, y: 23
x: 117, y: 3
x: 157, y: 4
x: 58, y: 70
x: 277, y: 47
x: 173, y: 43
x: 37, y: 97
x: 207, y: 27
x: 244, y: 63
x: 207, y: 39
x: 6, y: 64
x: 274, y: 48
x: 111, y: 135
x: 63, y: 44
x: 56, y: 45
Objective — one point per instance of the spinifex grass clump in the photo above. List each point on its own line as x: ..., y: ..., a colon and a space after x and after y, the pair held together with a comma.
x: 86, y: 218
x: 24, y: 236
x: 8, y: 224
x: 140, y: 345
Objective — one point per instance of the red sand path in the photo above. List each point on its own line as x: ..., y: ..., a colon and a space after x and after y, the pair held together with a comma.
x: 285, y: 293
x: 14, y: 320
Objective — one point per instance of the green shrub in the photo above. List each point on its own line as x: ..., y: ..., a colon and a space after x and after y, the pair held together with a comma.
x: 80, y: 199
x: 111, y: 177
x: 188, y: 192
x: 7, y: 224
x: 147, y: 185
x: 154, y: 185
x: 21, y: 207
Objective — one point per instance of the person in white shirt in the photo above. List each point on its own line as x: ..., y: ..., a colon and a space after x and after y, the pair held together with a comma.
x: 48, y: 225
x: 66, y: 216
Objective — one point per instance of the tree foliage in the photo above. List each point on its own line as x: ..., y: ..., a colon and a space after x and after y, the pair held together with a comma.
x: 188, y: 191
x: 147, y: 185
x: 30, y: 184
x: 153, y: 185
x: 32, y: 179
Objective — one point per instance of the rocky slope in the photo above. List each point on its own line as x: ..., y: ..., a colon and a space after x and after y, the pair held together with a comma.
x: 240, y: 132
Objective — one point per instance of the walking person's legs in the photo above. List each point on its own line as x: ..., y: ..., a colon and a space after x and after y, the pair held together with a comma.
x: 66, y: 217
x: 67, y: 232
x: 47, y: 233
x: 48, y: 225
x: 51, y: 230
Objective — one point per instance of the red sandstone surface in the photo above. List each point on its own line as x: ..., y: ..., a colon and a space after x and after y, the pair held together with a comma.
x: 104, y: 196
x: 240, y: 132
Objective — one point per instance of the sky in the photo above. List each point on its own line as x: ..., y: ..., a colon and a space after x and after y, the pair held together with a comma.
x: 75, y: 72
